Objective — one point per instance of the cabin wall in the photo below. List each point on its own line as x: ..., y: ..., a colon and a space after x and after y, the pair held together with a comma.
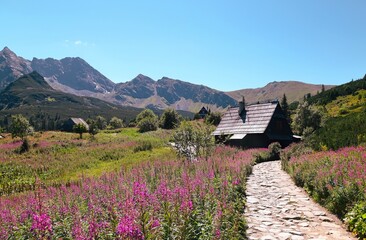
x: 279, y: 130
x: 250, y: 141
x: 68, y: 126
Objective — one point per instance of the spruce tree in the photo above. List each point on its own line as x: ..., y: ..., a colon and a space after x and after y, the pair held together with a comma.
x: 284, y: 106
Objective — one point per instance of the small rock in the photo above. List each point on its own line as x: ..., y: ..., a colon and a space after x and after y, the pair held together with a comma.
x: 267, y: 223
x: 265, y: 212
x: 297, y: 233
x: 319, y: 213
x: 292, y: 217
x: 284, y: 236
x: 252, y: 200
x: 325, y: 219
x: 261, y: 229
x: 304, y: 224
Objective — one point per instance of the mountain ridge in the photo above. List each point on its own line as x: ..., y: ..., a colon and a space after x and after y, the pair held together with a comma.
x: 74, y: 75
x: 31, y: 95
x: 294, y: 90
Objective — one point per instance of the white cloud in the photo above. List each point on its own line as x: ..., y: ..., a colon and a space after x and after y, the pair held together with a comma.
x: 78, y: 43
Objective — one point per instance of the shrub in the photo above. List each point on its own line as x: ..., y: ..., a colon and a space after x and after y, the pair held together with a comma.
x: 116, y: 122
x: 193, y: 140
x: 274, y: 150
x: 101, y: 122
x: 147, y: 113
x: 147, y: 121
x: 306, y: 116
x: 80, y: 128
x: 272, y: 154
x: 25, y: 146
x: 147, y: 124
x: 20, y: 127
x: 169, y: 119
x: 144, y: 146
x: 93, y: 129
x: 213, y: 118
x: 356, y: 220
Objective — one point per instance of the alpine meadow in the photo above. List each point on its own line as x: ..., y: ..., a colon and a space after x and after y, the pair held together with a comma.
x: 187, y: 120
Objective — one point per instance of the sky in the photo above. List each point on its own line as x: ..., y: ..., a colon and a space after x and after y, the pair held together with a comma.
x: 226, y: 45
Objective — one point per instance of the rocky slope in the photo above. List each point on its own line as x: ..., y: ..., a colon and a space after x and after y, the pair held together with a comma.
x: 142, y: 91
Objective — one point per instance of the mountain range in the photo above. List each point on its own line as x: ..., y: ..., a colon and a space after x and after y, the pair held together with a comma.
x: 76, y: 76
x: 31, y: 95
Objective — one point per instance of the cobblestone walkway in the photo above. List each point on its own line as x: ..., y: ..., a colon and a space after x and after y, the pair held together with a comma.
x: 277, y: 209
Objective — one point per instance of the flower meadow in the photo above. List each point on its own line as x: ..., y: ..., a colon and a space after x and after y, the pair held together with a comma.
x: 335, y: 179
x: 58, y: 158
x: 152, y: 200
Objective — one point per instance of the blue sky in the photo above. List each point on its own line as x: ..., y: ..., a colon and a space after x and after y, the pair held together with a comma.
x: 226, y: 45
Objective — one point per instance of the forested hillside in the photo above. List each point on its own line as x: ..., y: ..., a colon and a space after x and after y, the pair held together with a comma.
x: 343, y: 111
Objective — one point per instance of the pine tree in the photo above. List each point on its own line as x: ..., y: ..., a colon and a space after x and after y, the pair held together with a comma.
x: 284, y: 106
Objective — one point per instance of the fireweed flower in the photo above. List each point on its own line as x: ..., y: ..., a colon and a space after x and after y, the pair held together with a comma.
x: 41, y: 223
x: 127, y: 228
x: 155, y: 223
x: 155, y: 198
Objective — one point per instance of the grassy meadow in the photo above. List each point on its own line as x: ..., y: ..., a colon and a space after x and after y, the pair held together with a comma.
x: 121, y: 185
x: 60, y: 158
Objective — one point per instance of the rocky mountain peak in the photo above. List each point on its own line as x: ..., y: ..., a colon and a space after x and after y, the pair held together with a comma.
x: 7, y: 51
x: 12, y: 67
x: 142, y: 79
x: 10, y: 57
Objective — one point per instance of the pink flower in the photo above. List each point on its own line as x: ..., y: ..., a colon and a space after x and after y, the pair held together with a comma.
x: 186, y: 206
x: 41, y: 223
x: 127, y: 228
x: 218, y: 233
x: 236, y: 182
x: 155, y: 224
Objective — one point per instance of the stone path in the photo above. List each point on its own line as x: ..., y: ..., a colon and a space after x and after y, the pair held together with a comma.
x: 277, y: 209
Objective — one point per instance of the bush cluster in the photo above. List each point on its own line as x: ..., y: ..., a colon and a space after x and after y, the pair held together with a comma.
x: 341, y: 132
x: 272, y: 154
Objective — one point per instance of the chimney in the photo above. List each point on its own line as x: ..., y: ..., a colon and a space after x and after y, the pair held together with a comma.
x: 241, y: 106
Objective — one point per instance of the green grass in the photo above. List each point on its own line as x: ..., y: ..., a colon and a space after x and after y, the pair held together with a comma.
x: 57, y: 157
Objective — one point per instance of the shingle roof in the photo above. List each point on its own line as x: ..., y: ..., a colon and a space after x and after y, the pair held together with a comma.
x: 79, y: 120
x: 255, y: 119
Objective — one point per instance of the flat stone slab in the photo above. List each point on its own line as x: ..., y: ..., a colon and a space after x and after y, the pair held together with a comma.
x: 277, y: 209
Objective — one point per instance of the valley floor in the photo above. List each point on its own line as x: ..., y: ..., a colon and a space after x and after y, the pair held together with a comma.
x: 277, y: 209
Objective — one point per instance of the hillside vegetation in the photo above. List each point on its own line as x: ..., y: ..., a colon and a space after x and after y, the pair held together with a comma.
x: 330, y: 163
x: 344, y: 105
x: 342, y: 90
x: 344, y: 111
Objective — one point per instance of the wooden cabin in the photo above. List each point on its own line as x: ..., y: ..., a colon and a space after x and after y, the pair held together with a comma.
x: 203, y: 112
x: 254, y: 126
x: 71, y: 122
